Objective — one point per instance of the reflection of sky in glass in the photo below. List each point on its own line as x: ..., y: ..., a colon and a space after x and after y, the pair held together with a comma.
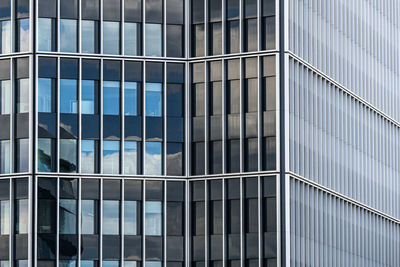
x: 5, y: 37
x: 67, y: 216
x: 110, y: 264
x: 67, y: 263
x: 111, y: 217
x: 87, y: 156
x: 88, y: 34
x: 154, y: 99
x: 153, y: 40
x: 153, y: 218
x: 68, y: 96
x: 130, y: 217
x: 23, y: 38
x: 4, y: 217
x: 21, y: 226
x: 85, y: 263
x: 44, y: 34
x: 110, y: 37
x: 88, y: 217
x: 88, y: 97
x: 111, y: 156
x: 5, y: 101
x: 130, y: 38
x: 22, y: 155
x: 131, y: 98
x: 44, y: 95
x: 153, y: 165
x: 68, y: 36
x: 130, y: 162
x: 131, y: 263
x: 5, y: 156
x: 153, y: 264
x: 23, y: 95
x: 111, y: 98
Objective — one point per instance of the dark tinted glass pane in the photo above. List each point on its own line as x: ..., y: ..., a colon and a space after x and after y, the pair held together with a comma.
x: 68, y: 68
x: 251, y: 189
x: 215, y: 98
x: 251, y: 249
x: 68, y: 126
x: 22, y: 8
x: 112, y: 127
x: 154, y: 72
x: 112, y: 70
x: 175, y: 100
x: 174, y: 158
x: 46, y: 155
x: 47, y: 188
x: 215, y: 10
x: 111, y: 247
x: 175, y: 218
x: 250, y: 8
x: 233, y: 38
x: 90, y: 188
x: 269, y: 216
x: 5, y: 189
x: 175, y: 11
x: 133, y: 71
x: 215, y: 128
x: 48, y: 8
x: 250, y: 36
x: 20, y: 187
x: 154, y: 11
x: 46, y: 247
x: 234, y: 249
x: 133, y: 248
x: 154, y: 190
x: 269, y: 89
x: 22, y: 67
x: 69, y: 9
x: 175, y: 191
x: 174, y: 41
x: 215, y: 157
x: 250, y: 67
x: 233, y: 96
x: 215, y: 47
x: 175, y: 73
x: 112, y: 10
x: 232, y: 9
x: 175, y: 129
x: 233, y: 214
x: 216, y: 246
x: 233, y: 155
x: 68, y: 155
x: 133, y: 190
x: 270, y: 245
x: 154, y: 248
x: 269, y: 153
x: 111, y: 189
x: 69, y: 188
x: 21, y: 247
x: 90, y: 9
x: 198, y: 98
x: 47, y: 216
x: 198, y: 11
x: 251, y: 223
x: 154, y: 129
x: 233, y: 126
x: 198, y: 40
x: 47, y: 67
x: 89, y: 247
x: 68, y: 246
x: 22, y: 125
x: 268, y: 7
x: 268, y: 28
x: 175, y: 248
x: 133, y: 128
x: 269, y: 118
x: 251, y: 95
x: 198, y: 129
x: 198, y: 248
x: 198, y: 152
x: 133, y: 10
x: 90, y: 69
x: 90, y: 126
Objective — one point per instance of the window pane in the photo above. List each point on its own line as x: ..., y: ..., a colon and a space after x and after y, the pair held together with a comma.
x: 233, y: 9
x: 89, y: 97
x: 68, y: 96
x: 111, y: 10
x: 131, y: 101
x: 132, y: 40
x: 133, y: 10
x: 88, y: 156
x: 23, y: 35
x: 174, y: 41
x: 111, y: 37
x: 154, y: 99
x: 111, y: 156
x: 45, y: 96
x: 153, y: 218
x: 111, y: 98
x: 89, y: 217
x: 153, y: 158
x: 68, y: 156
x: 45, y: 155
x: 90, y: 9
x: 175, y: 11
x: 175, y: 100
x: 174, y: 158
x: 198, y: 40
x: 45, y: 34
x: 89, y: 36
x: 154, y: 10
x: 22, y: 96
x: 233, y: 36
x: 21, y: 224
x: 250, y: 35
x: 68, y: 208
x: 130, y: 157
x: 5, y: 36
x: 111, y: 217
x: 4, y: 217
x: 22, y: 158
x: 5, y: 156
x: 130, y: 218
x: 68, y: 36
x: 154, y: 40
x: 5, y: 101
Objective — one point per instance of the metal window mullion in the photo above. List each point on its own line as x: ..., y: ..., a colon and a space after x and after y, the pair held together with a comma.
x: 165, y: 125
x: 188, y: 225
x: 144, y: 224
x: 101, y: 31
x: 11, y: 223
x: 241, y: 35
x: 80, y: 117
x: 79, y: 220
x: 187, y: 97
x: 58, y: 116
x: 122, y: 220
x: 224, y: 130
x: 259, y: 32
x: 58, y: 19
x: 206, y: 22
x: 187, y: 28
x: 30, y: 213
x: 35, y: 232
x: 224, y: 242
x: 58, y: 223
x: 206, y: 254
x: 101, y: 118
x: 31, y: 126
x: 12, y: 116
x: 241, y: 223
x: 241, y: 117
x: 122, y: 52
x: 101, y: 225
x: 13, y: 28
x: 79, y: 28
x: 259, y: 114
x: 165, y: 224
x: 260, y: 216
x: 122, y: 160
x: 223, y: 30
x: 164, y: 29
x: 206, y: 119
x: 144, y: 119
x: 144, y: 33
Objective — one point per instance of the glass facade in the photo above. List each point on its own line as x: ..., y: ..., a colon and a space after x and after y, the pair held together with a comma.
x: 219, y: 133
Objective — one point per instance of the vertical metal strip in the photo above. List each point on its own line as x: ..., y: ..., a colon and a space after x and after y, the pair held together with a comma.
x: 58, y: 115
x: 241, y: 198
x: 144, y: 118
x: 30, y: 222
x: 12, y: 115
x: 101, y: 117
x: 206, y: 118
x: 260, y: 216
x: 165, y: 124
x: 223, y: 109
x: 164, y: 29
x: 188, y: 224
x: 165, y: 224
x: 206, y: 228
x: 122, y: 52
x: 58, y: 223
x: 80, y: 117
x: 241, y: 100
x: 144, y: 224
x: 144, y: 32
x: 260, y: 124
x: 122, y: 220
x: 79, y: 220
x: 224, y: 235
x: 11, y: 223
x: 241, y: 21
x: 122, y: 144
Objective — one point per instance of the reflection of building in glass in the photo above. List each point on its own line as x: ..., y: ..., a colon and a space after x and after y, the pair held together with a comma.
x: 205, y: 133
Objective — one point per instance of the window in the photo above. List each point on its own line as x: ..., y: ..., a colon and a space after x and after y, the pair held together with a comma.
x: 68, y: 219
x: 45, y: 95
x: 174, y: 41
x: 111, y: 98
x: 89, y: 217
x: 130, y: 217
x: 5, y: 156
x: 45, y: 154
x: 23, y: 35
x: 89, y: 97
x: 5, y: 34
x: 111, y: 37
x: 22, y: 213
x: 215, y: 38
x: 4, y: 217
x: 68, y: 35
x: 153, y: 158
x: 22, y: 96
x: 90, y: 9
x: 250, y: 35
x: 5, y: 93
x: 153, y: 218
x: 22, y: 157
x: 89, y: 156
x: 130, y: 157
x: 68, y: 155
x: 89, y: 36
x: 68, y: 96
x: 154, y: 99
x: 131, y: 101
x: 132, y: 38
x: 233, y: 36
x: 154, y: 40
x: 46, y: 34
x: 198, y: 40
x: 111, y: 217
x: 111, y: 157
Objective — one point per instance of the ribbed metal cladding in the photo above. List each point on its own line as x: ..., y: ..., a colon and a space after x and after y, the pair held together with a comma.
x: 353, y: 42
x: 329, y: 231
